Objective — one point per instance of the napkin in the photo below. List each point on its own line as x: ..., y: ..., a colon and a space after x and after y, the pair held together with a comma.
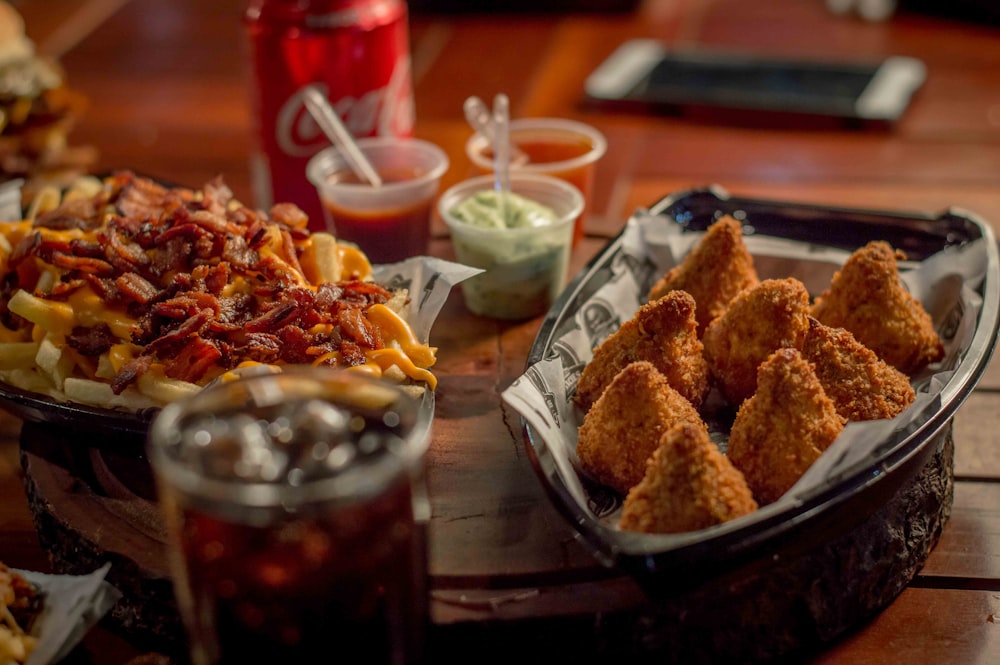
x: 72, y: 605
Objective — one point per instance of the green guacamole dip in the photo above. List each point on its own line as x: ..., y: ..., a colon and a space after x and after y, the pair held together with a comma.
x: 483, y: 209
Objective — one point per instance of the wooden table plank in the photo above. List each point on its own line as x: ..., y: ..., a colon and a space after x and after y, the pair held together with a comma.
x: 968, y: 553
x: 927, y: 626
x: 169, y: 97
x: 977, y: 455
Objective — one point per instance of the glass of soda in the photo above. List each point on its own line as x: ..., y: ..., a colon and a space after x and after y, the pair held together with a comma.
x: 294, y: 505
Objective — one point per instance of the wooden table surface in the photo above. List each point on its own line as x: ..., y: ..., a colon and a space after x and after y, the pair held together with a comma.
x: 168, y: 97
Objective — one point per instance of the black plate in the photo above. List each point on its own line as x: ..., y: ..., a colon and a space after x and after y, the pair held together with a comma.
x: 672, y: 564
x: 113, y: 426
x: 86, y: 419
x: 99, y: 426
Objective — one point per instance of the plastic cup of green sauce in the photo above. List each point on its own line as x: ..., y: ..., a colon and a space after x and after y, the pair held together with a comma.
x: 521, y: 239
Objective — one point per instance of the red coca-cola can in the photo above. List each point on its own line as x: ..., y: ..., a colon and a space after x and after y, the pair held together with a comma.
x: 356, y: 51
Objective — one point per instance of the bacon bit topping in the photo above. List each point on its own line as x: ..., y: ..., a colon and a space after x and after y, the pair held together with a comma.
x: 197, y: 356
x: 190, y: 267
x: 91, y: 341
x: 130, y: 371
x: 81, y: 264
x: 106, y: 289
x: 136, y: 287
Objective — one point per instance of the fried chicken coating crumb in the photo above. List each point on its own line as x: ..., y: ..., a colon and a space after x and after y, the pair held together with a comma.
x: 784, y: 427
x: 689, y: 485
x: 624, y: 427
x: 714, y: 272
x: 861, y: 385
x: 760, y: 320
x: 867, y: 298
x: 661, y: 332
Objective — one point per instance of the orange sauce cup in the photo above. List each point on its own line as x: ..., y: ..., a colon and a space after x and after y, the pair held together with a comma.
x: 565, y: 149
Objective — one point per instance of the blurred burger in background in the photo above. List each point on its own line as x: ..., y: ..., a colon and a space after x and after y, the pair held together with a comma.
x: 37, y: 112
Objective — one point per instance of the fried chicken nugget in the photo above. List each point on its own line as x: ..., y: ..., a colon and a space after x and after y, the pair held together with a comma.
x: 780, y: 431
x: 714, y: 272
x: 661, y: 332
x: 867, y: 298
x: 624, y: 427
x: 689, y: 484
x: 861, y: 385
x: 761, y: 319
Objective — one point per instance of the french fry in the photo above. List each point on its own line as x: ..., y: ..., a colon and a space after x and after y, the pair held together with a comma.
x: 48, y: 314
x: 30, y: 379
x: 84, y: 187
x: 47, y: 356
x: 18, y: 355
x: 321, y: 260
x: 46, y: 280
x: 105, y: 369
x: 398, y: 301
x: 51, y: 359
x: 98, y: 393
x: 86, y: 391
x: 46, y: 199
x: 15, y: 592
x: 153, y: 383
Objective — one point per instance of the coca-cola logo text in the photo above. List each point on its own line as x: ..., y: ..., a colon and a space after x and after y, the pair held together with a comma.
x: 385, y: 111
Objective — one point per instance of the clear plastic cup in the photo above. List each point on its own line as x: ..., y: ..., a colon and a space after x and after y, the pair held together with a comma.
x: 292, y: 502
x: 391, y: 222
x: 525, y: 268
x: 565, y: 149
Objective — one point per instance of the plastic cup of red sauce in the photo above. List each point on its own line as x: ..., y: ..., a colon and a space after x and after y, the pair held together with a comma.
x: 391, y: 222
x: 565, y: 149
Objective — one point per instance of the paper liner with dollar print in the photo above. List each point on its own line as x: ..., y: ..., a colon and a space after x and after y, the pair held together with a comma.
x: 946, y: 283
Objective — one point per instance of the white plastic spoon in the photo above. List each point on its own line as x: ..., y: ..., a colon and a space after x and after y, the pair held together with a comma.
x: 330, y: 123
x: 481, y: 120
x: 501, y: 151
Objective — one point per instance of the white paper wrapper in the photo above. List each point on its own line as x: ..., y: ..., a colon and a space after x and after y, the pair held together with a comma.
x: 429, y: 281
x: 945, y: 283
x: 73, y: 604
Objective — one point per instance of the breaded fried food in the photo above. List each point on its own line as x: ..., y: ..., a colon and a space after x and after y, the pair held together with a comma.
x: 714, y: 272
x: 689, y: 485
x: 761, y: 319
x: 861, y: 385
x: 661, y: 332
x: 867, y: 298
x: 780, y: 431
x: 625, y: 425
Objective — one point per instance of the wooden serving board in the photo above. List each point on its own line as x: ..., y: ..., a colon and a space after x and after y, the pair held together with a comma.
x: 93, y: 505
